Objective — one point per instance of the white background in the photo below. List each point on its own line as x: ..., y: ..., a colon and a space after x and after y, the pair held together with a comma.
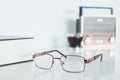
x: 48, y: 21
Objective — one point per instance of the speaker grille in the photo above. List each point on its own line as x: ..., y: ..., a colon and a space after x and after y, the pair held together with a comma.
x: 99, y: 24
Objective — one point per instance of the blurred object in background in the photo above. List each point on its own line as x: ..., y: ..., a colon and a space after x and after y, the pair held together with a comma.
x: 98, y: 29
x: 75, y: 40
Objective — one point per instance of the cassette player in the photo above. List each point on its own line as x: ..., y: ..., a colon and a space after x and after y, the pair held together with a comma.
x: 98, y: 30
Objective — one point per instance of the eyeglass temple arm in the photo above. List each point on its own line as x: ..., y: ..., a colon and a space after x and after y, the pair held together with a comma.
x: 46, y: 52
x: 60, y: 53
x: 94, y: 58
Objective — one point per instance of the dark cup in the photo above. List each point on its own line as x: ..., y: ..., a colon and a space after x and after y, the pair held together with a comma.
x: 74, y: 41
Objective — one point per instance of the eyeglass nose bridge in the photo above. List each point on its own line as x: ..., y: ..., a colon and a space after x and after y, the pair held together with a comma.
x: 61, y: 62
x: 57, y: 58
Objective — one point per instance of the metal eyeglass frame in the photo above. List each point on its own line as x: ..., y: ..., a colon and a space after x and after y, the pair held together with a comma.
x: 62, y: 55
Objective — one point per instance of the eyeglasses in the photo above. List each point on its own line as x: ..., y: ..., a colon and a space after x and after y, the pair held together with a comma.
x: 69, y: 63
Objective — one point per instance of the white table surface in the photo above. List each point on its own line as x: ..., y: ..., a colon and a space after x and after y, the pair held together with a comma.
x: 108, y: 69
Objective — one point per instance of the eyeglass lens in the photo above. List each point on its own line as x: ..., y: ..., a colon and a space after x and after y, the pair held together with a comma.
x: 73, y: 63
x: 44, y: 62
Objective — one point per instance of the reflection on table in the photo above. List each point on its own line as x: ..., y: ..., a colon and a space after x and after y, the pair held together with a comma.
x: 96, y: 70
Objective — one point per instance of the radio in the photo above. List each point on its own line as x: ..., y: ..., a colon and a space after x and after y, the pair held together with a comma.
x: 100, y: 30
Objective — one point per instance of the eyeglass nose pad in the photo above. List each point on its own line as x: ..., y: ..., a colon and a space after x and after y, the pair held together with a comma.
x: 52, y: 62
x: 62, y: 62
